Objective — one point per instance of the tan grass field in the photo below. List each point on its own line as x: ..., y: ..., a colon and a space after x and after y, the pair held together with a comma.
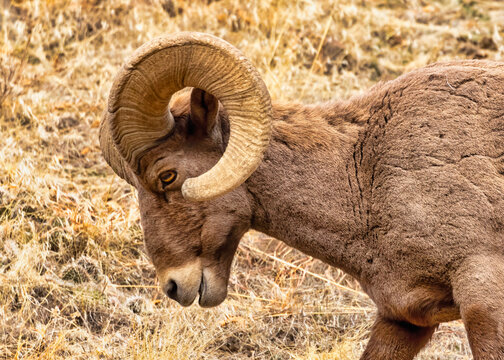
x: 75, y: 282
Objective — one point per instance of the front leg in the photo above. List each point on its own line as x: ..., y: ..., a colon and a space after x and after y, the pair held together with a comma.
x: 393, y: 340
x: 478, y: 288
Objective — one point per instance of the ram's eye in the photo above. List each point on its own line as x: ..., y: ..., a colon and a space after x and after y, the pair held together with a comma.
x: 168, y: 177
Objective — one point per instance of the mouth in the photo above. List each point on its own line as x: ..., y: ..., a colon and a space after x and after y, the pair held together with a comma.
x: 212, y: 291
x: 202, y: 289
x: 186, y: 287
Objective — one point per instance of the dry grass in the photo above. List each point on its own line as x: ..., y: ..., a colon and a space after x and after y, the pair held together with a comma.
x: 74, y: 280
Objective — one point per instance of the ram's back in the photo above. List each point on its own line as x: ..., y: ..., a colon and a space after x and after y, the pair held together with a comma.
x: 431, y: 164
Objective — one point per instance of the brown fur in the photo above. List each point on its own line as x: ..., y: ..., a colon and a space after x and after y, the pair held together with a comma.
x: 401, y: 187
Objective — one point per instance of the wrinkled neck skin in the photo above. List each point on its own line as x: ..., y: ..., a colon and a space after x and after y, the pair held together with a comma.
x: 306, y: 193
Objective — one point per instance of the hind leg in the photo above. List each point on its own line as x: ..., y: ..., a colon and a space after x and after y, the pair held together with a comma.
x: 392, y: 340
x: 478, y: 288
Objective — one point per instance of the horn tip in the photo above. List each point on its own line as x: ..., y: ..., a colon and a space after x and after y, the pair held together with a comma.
x: 192, y: 192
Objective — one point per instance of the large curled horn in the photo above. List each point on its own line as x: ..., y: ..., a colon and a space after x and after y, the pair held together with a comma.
x: 138, y: 117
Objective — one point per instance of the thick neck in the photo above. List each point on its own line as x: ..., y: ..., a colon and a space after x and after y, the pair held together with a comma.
x: 306, y: 193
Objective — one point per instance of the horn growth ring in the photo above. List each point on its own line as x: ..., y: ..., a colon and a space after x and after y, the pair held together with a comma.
x: 139, y: 116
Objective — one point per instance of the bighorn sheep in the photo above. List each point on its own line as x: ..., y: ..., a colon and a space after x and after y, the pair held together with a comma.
x: 402, y: 187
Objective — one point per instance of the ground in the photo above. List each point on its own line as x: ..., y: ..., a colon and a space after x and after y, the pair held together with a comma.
x: 75, y: 282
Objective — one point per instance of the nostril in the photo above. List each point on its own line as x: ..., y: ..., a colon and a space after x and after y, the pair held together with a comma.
x: 171, y: 289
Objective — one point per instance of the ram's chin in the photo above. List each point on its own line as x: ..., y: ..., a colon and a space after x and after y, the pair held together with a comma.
x: 211, y: 293
x: 211, y: 301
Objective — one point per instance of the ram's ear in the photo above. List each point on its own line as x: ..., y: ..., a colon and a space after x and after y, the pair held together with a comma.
x: 204, y: 110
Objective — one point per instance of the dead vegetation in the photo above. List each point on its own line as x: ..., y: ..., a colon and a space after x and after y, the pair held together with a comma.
x: 74, y: 280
